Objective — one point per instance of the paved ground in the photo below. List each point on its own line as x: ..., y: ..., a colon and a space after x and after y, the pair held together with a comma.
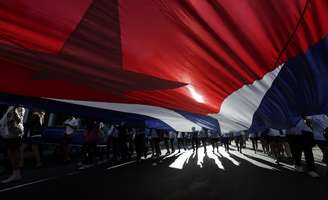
x: 180, y: 176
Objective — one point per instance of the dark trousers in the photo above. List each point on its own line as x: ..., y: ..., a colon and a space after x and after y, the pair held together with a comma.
x: 204, y: 143
x: 214, y: 142
x: 89, y: 150
x: 123, y: 147
x: 166, y: 142
x: 226, y: 142
x: 109, y: 146
x: 194, y: 143
x: 131, y: 147
x: 254, y: 143
x: 155, y: 147
x: 66, y: 147
x: 140, y: 145
x: 115, y: 146
x: 239, y: 143
x: 226, y: 146
x: 172, y: 144
x: 299, y: 143
x: 181, y: 142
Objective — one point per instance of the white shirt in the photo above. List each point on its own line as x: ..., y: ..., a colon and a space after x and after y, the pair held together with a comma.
x: 297, y: 130
x: 110, y: 131
x: 5, y: 133
x: 115, y: 132
x: 180, y: 135
x: 319, y: 123
x: 274, y: 132
x: 283, y: 133
x: 71, y: 125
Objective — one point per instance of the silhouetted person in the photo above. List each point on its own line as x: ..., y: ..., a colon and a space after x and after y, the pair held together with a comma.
x: 89, y: 148
x: 33, y: 130
x: 203, y: 137
x: 155, y: 140
x: 194, y: 139
x: 300, y: 139
x: 166, y: 139
x: 319, y: 123
x: 275, y: 144
x: 172, y: 135
x: 71, y: 126
x: 225, y: 138
x: 254, y: 138
x: 123, y: 141
x: 238, y: 140
x: 13, y: 130
x: 181, y: 140
x: 140, y: 143
x: 215, y: 137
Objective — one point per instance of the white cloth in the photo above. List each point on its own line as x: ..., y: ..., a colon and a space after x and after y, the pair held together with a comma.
x: 180, y: 135
x: 71, y: 125
x: 110, y: 131
x: 297, y: 130
x: 273, y: 132
x: 3, y: 123
x: 319, y: 123
x: 11, y: 112
x: 283, y: 133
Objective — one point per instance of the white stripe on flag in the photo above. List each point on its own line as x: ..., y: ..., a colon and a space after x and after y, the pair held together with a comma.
x: 171, y: 118
x: 238, y: 109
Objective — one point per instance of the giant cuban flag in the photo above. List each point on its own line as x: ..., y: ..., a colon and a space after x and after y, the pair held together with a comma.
x: 247, y: 63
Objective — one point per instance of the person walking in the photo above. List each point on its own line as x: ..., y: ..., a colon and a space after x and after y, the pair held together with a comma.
x: 238, y: 140
x: 172, y: 136
x: 140, y: 143
x: 71, y: 126
x: 155, y: 140
x: 215, y: 137
x: 12, y: 130
x: 225, y: 138
x: 181, y: 140
x: 254, y: 138
x: 275, y: 144
x: 319, y: 123
x: 165, y: 136
x: 194, y: 139
x: 300, y: 139
x: 89, y: 148
x: 33, y: 130
x: 203, y: 137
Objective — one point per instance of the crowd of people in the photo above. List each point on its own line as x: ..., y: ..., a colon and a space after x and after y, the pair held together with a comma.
x: 124, y: 143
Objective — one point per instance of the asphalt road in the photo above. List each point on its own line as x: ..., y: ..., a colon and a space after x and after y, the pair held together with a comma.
x: 186, y: 175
